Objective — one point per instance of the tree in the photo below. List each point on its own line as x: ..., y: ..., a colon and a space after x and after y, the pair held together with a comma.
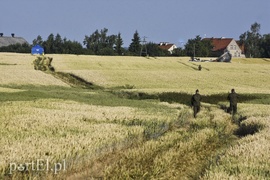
x: 38, y: 40
x: 72, y: 47
x: 58, y: 44
x: 198, y: 47
x: 18, y: 48
x: 251, y: 41
x: 154, y: 50
x: 265, y: 44
x: 118, y: 44
x: 49, y: 44
x: 99, y: 43
x: 135, y: 46
x: 92, y: 41
x: 179, y: 52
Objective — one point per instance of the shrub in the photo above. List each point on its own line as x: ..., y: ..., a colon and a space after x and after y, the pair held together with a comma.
x: 43, y: 63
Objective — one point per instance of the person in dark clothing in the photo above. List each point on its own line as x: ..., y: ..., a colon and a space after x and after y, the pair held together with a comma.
x: 196, y: 103
x: 233, y: 98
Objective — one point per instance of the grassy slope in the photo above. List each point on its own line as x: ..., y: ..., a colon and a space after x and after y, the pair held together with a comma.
x: 30, y: 96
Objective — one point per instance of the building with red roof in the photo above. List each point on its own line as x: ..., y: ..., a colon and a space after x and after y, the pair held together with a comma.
x: 167, y: 46
x: 221, y: 45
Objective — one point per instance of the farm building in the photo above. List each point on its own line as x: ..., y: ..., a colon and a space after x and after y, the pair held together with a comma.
x: 167, y: 46
x: 11, y: 40
x: 221, y: 45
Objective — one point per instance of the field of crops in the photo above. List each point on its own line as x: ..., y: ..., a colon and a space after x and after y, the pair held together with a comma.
x: 137, y: 124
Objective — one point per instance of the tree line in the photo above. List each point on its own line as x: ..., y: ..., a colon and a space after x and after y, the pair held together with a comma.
x: 101, y: 43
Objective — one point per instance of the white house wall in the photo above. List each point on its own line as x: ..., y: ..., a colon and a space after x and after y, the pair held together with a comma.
x: 172, y: 48
x: 234, y: 49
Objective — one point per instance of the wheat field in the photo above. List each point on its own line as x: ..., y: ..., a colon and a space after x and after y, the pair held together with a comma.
x: 100, y: 134
x: 170, y: 74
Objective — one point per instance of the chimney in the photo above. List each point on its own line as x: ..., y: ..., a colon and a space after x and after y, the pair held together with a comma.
x: 1, y: 34
x: 12, y: 34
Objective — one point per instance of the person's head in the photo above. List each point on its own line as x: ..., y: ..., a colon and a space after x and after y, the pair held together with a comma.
x: 233, y: 91
x: 197, y: 91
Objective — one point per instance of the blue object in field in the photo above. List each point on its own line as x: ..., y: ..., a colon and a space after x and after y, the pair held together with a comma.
x: 37, y: 49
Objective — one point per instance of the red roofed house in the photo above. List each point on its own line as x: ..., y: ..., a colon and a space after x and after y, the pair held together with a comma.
x: 221, y: 45
x: 167, y: 46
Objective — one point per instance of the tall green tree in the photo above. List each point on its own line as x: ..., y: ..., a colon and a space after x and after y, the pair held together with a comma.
x: 135, y: 46
x: 118, y: 45
x: 198, y: 48
x: 251, y: 41
x: 58, y: 44
x: 265, y: 44
x: 100, y: 43
x: 92, y: 42
x: 72, y: 47
x: 38, y: 40
x: 49, y: 44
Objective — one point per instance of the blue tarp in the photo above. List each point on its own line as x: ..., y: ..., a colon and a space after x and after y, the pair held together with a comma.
x: 37, y: 49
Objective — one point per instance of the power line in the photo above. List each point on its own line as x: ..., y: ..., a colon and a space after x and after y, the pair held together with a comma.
x: 143, y: 47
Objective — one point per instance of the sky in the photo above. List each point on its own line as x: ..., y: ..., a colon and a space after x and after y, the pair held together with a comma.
x: 173, y: 21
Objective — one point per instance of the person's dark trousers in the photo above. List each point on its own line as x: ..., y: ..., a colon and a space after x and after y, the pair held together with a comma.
x: 233, y: 108
x: 196, y: 109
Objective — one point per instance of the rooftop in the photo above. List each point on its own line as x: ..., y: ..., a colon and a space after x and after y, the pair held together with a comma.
x: 165, y: 46
x: 9, y: 40
x: 219, y: 43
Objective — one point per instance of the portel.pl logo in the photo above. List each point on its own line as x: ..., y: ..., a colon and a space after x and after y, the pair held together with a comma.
x: 38, y: 165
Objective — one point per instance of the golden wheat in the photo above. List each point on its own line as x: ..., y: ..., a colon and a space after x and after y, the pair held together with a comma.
x: 58, y: 129
x: 250, y: 158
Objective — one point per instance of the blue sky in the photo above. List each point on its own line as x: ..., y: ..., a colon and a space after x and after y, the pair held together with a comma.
x: 173, y: 21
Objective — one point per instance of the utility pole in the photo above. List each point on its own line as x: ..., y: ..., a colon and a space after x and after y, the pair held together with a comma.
x: 194, y: 51
x: 143, y: 47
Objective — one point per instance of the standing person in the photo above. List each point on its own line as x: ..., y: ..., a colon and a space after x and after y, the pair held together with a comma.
x: 196, y: 102
x: 233, y: 98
